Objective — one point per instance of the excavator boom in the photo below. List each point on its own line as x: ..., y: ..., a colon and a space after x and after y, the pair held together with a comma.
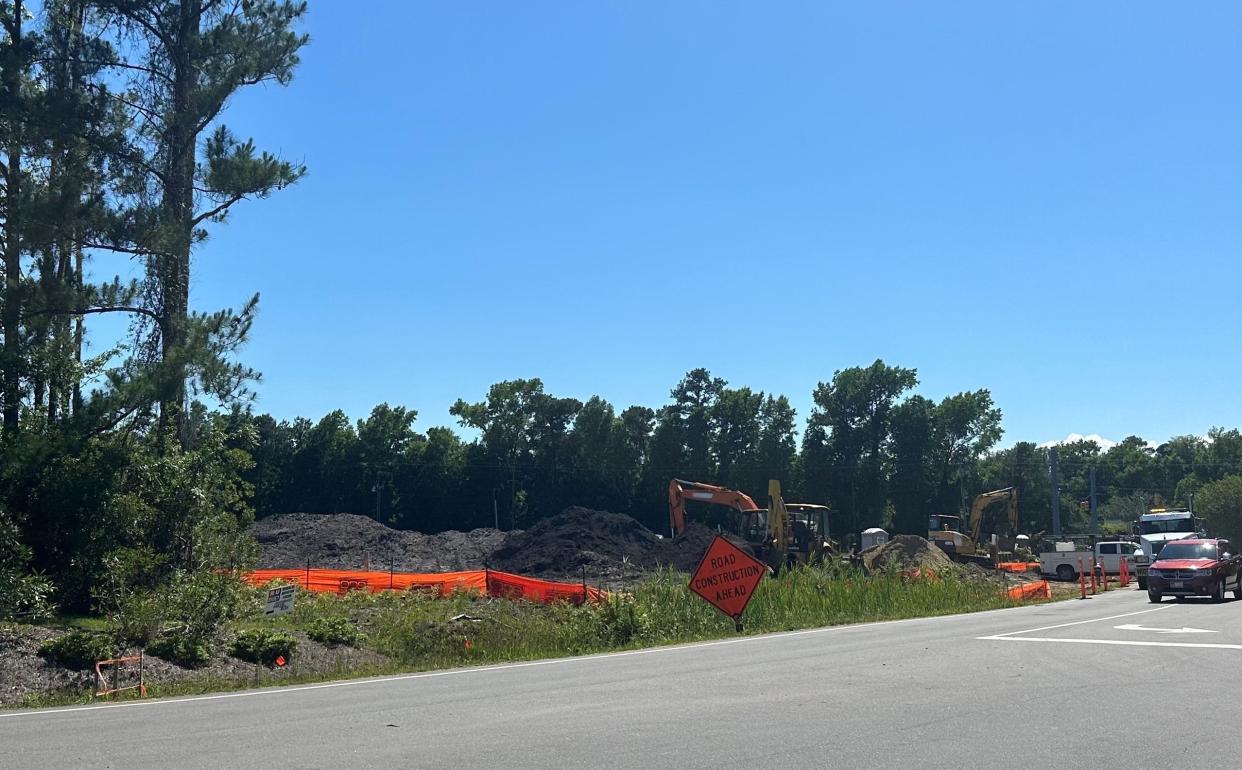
x: 679, y: 491
x: 981, y: 503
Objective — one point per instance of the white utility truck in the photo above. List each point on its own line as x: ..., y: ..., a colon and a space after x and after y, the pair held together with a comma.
x: 1160, y: 526
x: 1064, y: 562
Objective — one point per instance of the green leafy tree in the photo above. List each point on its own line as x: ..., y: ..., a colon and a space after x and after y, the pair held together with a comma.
x: 846, y: 443
x: 735, y: 416
x: 1220, y: 503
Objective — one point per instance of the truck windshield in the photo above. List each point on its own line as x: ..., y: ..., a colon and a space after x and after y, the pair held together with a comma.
x: 1188, y: 551
x: 1168, y: 525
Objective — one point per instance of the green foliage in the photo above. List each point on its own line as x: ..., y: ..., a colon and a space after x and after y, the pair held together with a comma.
x: 22, y: 595
x: 182, y: 650
x: 259, y: 645
x: 1220, y: 502
x: 78, y: 650
x: 334, y: 631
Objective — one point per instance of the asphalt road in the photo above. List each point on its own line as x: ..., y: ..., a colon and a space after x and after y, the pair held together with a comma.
x: 1111, y: 680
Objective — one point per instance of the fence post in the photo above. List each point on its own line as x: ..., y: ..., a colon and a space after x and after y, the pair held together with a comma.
x: 1082, y: 580
x: 307, y: 574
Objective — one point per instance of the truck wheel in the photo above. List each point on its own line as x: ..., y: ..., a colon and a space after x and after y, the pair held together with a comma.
x: 1066, y: 572
x: 1142, y: 583
x: 1218, y: 593
x: 1154, y: 597
x: 1237, y: 592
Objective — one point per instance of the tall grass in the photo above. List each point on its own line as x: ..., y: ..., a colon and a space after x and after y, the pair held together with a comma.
x: 661, y: 610
x: 419, y: 632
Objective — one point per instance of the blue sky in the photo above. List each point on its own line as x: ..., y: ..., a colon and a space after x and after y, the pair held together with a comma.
x: 1037, y: 198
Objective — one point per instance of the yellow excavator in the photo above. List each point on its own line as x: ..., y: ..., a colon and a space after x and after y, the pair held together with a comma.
x: 945, y: 530
x: 781, y: 534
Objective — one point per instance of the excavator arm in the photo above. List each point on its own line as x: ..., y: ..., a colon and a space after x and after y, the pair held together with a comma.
x: 981, y: 503
x: 680, y: 491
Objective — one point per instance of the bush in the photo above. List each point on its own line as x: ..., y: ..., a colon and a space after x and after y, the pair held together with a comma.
x: 182, y: 650
x: 333, y: 631
x: 192, y: 606
x: 22, y: 595
x: 262, y: 646
x: 78, y: 650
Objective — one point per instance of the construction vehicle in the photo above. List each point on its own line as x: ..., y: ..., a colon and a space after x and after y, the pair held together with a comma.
x: 781, y: 534
x: 945, y: 530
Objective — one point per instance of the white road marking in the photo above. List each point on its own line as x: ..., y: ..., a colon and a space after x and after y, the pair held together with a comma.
x: 1078, y: 622
x: 1120, y: 642
x: 498, y: 667
x: 1182, y: 630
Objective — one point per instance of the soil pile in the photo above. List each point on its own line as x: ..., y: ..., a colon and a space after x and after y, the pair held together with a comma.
x: 609, y: 546
x: 906, y: 552
x: 348, y: 541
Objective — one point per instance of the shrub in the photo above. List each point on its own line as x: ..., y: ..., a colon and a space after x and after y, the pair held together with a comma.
x: 78, y: 650
x: 333, y: 631
x: 259, y: 645
x: 193, y: 606
x: 182, y: 650
x: 22, y: 595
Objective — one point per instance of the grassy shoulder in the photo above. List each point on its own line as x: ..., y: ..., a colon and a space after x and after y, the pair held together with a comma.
x: 333, y: 637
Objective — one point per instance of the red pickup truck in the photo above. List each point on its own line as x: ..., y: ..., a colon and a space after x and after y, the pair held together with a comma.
x: 1195, y: 568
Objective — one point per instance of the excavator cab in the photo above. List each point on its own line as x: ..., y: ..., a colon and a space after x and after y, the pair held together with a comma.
x: 945, y: 531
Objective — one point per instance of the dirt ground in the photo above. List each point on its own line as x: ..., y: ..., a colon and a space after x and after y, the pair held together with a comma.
x: 609, y: 547
x: 349, y: 541
x: 24, y: 673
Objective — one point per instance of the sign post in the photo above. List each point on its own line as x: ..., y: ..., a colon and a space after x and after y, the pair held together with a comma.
x: 726, y: 578
x: 279, y: 600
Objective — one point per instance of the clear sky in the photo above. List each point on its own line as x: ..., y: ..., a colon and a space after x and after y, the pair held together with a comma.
x: 1039, y: 198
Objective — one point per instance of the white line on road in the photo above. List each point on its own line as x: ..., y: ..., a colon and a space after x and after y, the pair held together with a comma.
x: 1182, y: 630
x: 1124, y: 643
x: 498, y: 667
x: 1077, y: 622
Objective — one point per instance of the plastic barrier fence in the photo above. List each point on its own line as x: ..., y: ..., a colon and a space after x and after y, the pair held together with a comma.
x: 490, y: 582
x: 1039, y: 589
x: 1018, y: 566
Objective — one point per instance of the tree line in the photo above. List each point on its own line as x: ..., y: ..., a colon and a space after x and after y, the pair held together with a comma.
x: 115, y: 157
x: 133, y: 470
x: 877, y: 453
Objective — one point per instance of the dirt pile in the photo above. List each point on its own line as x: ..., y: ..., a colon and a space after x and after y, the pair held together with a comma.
x: 348, y: 541
x: 607, y: 545
x: 906, y: 552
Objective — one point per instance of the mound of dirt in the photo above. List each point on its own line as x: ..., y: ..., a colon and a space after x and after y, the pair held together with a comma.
x: 609, y: 546
x: 906, y: 552
x: 348, y: 541
x: 577, y: 538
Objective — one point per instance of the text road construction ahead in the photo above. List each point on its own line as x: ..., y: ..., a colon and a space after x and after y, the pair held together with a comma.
x: 727, y: 577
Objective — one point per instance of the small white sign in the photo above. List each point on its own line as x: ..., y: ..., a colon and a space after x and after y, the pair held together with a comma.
x: 279, y: 600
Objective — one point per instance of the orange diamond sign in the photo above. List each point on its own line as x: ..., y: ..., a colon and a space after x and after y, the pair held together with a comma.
x: 727, y: 577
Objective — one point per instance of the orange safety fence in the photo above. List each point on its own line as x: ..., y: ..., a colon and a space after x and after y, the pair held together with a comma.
x: 1039, y: 589
x: 1018, y: 566
x: 490, y: 582
x: 101, y: 681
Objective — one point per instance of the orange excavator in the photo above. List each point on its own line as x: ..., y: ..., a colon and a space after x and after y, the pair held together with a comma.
x: 779, y: 534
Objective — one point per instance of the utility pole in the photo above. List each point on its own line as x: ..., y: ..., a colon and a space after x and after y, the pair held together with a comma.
x: 1095, y: 521
x: 1056, y: 492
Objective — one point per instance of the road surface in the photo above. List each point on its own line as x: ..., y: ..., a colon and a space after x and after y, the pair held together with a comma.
x: 1111, y: 680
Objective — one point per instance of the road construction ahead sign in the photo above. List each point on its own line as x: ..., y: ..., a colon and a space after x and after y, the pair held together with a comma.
x: 279, y: 600
x: 727, y: 577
